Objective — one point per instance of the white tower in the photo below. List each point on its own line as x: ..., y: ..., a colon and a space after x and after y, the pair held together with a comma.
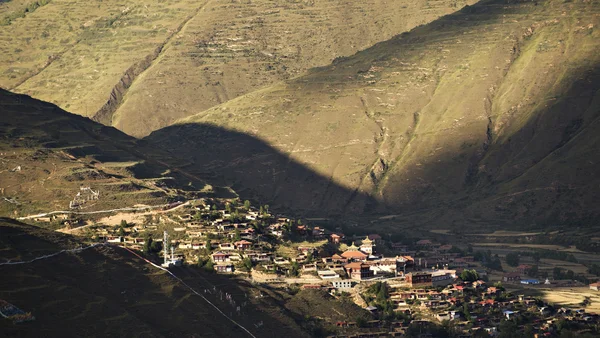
x: 165, y: 249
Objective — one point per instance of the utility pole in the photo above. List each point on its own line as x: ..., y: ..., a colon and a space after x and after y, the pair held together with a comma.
x: 165, y: 249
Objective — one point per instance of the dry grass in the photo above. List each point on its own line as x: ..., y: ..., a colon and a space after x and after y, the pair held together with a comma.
x: 422, y: 104
x: 504, y: 233
x: 527, y: 246
x: 573, y: 297
x: 74, y: 53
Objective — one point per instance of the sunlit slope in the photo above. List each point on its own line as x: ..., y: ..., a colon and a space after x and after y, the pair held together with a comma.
x: 490, y: 107
x: 73, y: 53
x: 141, y: 65
x: 233, y: 48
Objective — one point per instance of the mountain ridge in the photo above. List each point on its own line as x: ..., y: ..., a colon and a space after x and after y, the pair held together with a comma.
x: 482, y: 94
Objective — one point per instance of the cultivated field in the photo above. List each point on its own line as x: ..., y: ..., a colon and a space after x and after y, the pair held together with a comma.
x: 573, y: 297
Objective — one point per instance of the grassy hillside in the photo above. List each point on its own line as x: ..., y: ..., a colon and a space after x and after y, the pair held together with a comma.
x: 140, y: 66
x: 47, y: 154
x: 106, y: 291
x: 486, y: 115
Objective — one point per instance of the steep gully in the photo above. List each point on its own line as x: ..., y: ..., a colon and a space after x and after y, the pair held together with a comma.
x: 106, y: 113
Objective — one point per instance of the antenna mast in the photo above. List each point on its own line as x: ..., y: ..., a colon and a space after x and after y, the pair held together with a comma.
x: 165, y: 249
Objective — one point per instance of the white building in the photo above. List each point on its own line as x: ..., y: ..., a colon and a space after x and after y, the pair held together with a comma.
x: 327, y: 274
x: 342, y: 284
x: 367, y: 246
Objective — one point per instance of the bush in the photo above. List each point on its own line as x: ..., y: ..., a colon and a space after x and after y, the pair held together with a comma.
x: 512, y: 259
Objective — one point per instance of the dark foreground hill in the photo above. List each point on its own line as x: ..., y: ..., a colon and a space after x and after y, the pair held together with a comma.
x: 108, y: 292
x: 485, y: 116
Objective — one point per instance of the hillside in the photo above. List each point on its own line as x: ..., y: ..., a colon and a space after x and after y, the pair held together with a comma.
x: 140, y: 66
x: 106, y: 291
x: 47, y: 154
x: 486, y: 116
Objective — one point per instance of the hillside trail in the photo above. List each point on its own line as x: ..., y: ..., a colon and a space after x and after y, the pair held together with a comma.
x: 146, y: 207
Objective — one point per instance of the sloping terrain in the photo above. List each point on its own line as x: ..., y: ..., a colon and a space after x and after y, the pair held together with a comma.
x: 47, y: 154
x: 73, y: 53
x: 140, y: 66
x: 489, y: 114
x: 106, y: 291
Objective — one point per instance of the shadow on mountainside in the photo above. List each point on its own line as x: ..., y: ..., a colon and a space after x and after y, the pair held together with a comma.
x: 258, y: 171
x: 539, y: 167
x: 33, y: 125
x: 522, y: 159
x: 542, y: 173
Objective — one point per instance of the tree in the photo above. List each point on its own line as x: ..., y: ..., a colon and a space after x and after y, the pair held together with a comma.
x: 512, y: 259
x: 361, y: 322
x: 208, y: 245
x: 124, y: 223
x: 202, y: 261
x: 156, y: 246
x: 247, y: 205
x: 309, y: 258
x: 466, y: 311
x: 237, y: 236
x: 247, y: 264
x: 147, y: 244
x: 557, y: 273
x: 533, y: 271
x: 295, y: 269
x: 382, y: 294
x: 508, y: 329
x: 469, y: 275
x: 121, y: 231
x: 528, y: 331
x: 209, y: 266
x: 494, y: 263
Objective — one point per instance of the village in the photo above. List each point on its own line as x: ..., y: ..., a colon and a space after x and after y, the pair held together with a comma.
x: 403, y: 284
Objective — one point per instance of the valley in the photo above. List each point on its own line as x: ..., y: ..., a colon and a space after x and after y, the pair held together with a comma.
x: 299, y: 168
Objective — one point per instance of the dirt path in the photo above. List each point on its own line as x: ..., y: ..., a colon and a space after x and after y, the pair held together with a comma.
x: 122, y: 214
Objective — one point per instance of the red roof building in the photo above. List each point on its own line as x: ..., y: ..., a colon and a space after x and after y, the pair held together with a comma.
x: 358, y: 270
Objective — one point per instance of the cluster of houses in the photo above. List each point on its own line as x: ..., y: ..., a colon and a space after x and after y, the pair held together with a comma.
x: 228, y: 242
x: 418, y: 272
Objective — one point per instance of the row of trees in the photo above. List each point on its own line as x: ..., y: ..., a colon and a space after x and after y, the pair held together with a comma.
x: 488, y: 260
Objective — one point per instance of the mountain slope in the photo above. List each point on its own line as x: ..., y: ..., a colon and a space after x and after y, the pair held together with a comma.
x: 487, y: 114
x: 47, y: 154
x: 140, y: 66
x: 107, y: 291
